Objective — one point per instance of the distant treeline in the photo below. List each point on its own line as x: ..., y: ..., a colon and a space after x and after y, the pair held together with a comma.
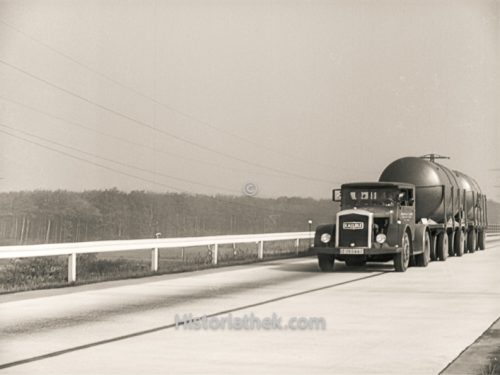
x: 63, y: 216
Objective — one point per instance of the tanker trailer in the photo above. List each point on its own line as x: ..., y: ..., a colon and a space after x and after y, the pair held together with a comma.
x: 418, y: 211
x: 475, y: 212
x: 449, y: 201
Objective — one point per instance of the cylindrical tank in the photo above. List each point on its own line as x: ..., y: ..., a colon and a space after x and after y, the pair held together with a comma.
x: 471, y: 188
x: 428, y: 177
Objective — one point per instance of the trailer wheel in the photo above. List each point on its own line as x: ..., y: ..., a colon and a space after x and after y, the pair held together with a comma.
x: 451, y: 243
x: 326, y: 262
x: 433, y: 254
x: 423, y: 259
x: 482, y: 240
x: 402, y: 259
x: 442, y: 246
x: 472, y: 240
x: 459, y: 243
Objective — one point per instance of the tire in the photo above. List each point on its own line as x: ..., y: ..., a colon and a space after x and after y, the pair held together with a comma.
x: 402, y: 259
x: 424, y: 258
x: 459, y: 243
x: 481, y: 240
x: 355, y: 262
x: 472, y: 240
x: 413, y: 261
x: 326, y: 262
x: 433, y: 254
x: 451, y: 244
x: 442, y: 246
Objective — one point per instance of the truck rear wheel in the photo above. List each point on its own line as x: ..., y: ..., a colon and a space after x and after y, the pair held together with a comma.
x: 402, y: 259
x: 451, y: 243
x: 482, y: 240
x: 326, y: 262
x: 433, y: 254
x: 423, y: 259
x: 471, y: 240
x: 459, y: 243
x: 442, y: 246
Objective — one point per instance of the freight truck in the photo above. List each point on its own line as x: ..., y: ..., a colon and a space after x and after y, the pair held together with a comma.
x: 418, y: 211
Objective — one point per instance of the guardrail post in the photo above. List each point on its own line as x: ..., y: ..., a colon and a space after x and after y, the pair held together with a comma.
x: 154, y: 260
x: 297, y: 244
x: 260, y: 253
x: 72, y: 268
x: 214, y: 254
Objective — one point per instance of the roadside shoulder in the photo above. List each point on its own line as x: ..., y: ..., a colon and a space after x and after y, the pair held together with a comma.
x: 482, y: 357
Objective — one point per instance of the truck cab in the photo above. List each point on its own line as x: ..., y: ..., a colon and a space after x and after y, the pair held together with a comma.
x: 376, y: 222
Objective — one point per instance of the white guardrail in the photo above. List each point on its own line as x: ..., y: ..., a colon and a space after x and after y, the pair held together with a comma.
x: 74, y: 248
x: 493, y: 230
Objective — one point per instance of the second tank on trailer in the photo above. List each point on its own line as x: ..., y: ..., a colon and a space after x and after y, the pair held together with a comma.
x: 430, y: 178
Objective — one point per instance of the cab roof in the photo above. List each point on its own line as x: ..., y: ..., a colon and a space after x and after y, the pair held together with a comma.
x: 382, y: 184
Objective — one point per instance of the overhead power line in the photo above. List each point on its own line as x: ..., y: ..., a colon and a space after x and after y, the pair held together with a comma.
x: 158, y: 130
x: 118, y: 162
x: 156, y: 101
x: 127, y: 174
x: 137, y: 144
x: 89, y: 161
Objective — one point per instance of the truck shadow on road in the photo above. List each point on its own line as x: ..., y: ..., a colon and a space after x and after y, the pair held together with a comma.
x: 340, y: 267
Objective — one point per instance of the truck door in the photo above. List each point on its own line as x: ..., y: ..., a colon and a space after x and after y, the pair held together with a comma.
x: 407, y: 204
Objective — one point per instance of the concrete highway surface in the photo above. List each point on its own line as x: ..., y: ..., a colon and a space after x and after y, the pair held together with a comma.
x: 377, y: 321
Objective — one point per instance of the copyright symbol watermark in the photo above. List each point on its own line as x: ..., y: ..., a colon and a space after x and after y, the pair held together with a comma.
x: 250, y: 189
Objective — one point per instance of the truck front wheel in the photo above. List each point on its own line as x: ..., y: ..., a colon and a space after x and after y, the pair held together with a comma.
x: 326, y: 262
x: 402, y: 259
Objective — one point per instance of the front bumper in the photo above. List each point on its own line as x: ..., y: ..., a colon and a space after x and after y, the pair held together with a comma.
x: 376, y: 249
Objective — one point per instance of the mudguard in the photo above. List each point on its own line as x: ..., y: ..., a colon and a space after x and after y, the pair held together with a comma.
x: 328, y: 228
x: 418, y: 244
x: 395, y: 234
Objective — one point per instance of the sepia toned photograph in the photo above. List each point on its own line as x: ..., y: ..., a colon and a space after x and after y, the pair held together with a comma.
x: 250, y: 187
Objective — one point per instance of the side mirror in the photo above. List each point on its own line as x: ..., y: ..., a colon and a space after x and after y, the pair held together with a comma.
x: 337, y: 195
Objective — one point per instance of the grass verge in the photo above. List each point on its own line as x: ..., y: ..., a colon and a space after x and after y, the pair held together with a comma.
x: 25, y: 274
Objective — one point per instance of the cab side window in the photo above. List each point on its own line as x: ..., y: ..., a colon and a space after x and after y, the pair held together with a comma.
x: 406, y: 197
x: 411, y: 198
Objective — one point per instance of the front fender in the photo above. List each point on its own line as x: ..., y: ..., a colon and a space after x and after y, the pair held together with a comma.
x: 420, y: 231
x: 395, y: 234
x: 321, y: 229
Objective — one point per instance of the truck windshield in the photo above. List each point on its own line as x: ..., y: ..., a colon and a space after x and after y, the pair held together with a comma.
x: 370, y: 197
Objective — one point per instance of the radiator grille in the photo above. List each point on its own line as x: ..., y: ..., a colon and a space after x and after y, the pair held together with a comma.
x: 354, y: 229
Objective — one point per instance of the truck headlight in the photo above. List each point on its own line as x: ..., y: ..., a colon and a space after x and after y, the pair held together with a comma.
x: 326, y: 237
x: 381, y: 237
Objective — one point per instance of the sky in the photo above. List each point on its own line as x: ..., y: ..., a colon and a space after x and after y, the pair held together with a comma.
x: 206, y: 96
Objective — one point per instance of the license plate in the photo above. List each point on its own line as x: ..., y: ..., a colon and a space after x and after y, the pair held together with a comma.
x: 352, y: 251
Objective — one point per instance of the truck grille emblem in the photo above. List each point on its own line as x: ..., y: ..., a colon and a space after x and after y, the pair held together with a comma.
x: 353, y: 225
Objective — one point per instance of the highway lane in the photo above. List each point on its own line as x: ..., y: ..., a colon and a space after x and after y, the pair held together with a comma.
x: 378, y: 321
